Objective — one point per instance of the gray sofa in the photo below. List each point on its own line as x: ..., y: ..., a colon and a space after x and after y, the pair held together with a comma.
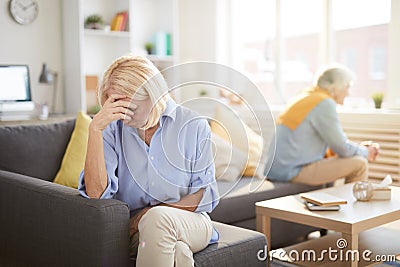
x: 237, y: 207
x: 46, y: 224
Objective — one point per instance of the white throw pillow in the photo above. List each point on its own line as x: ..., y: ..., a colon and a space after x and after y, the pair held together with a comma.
x: 229, y: 161
x: 231, y: 128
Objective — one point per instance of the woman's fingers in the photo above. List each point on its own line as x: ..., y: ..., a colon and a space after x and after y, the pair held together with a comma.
x: 125, y: 104
x: 112, y: 98
x: 118, y: 100
x: 120, y: 116
x: 123, y: 110
x: 106, y: 116
x: 114, y: 108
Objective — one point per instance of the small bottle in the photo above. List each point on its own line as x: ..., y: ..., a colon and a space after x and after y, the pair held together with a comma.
x: 44, y: 112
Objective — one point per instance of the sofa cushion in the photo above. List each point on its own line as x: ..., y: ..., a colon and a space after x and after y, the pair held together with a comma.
x: 75, y: 154
x: 229, y: 161
x: 34, y: 150
x: 237, y: 207
x: 238, y: 198
x: 236, y: 247
x: 230, y: 126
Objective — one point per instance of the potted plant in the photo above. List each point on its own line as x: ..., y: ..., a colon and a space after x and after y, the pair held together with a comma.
x: 149, y: 48
x: 377, y: 97
x: 94, y: 22
x: 203, y: 92
x: 93, y: 109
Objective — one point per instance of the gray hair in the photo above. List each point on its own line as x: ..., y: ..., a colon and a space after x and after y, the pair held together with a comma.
x: 333, y: 76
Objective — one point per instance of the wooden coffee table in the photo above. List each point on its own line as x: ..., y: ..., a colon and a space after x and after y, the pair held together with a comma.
x: 352, y: 219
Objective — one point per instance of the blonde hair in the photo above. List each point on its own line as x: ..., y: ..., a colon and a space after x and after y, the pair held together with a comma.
x: 137, y: 78
x: 333, y: 76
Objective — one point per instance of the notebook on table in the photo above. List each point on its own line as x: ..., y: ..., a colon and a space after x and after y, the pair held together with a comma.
x: 314, y: 207
x: 322, y: 199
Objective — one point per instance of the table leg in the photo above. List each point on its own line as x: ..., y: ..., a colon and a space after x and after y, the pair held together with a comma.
x: 263, y: 225
x: 352, y: 244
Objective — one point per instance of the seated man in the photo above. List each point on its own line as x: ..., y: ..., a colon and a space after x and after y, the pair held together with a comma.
x: 308, y: 127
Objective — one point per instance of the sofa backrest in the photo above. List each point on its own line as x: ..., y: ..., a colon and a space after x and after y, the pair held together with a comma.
x: 34, y: 149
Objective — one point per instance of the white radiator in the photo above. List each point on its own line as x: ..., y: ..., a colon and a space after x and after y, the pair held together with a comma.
x: 383, y: 128
x: 380, y: 127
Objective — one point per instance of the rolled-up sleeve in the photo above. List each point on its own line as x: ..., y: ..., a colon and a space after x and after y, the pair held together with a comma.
x: 203, y: 175
x: 111, y: 160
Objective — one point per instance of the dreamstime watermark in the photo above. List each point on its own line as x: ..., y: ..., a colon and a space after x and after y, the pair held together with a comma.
x: 331, y: 254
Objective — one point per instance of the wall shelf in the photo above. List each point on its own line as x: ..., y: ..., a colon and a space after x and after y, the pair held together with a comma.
x: 89, y: 52
x: 157, y: 58
x: 121, y: 34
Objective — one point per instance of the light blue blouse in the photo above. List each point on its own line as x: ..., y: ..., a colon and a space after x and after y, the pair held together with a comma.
x: 178, y: 162
x: 308, y: 142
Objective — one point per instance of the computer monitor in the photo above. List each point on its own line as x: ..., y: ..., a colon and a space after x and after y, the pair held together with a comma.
x: 15, y: 93
x: 15, y: 83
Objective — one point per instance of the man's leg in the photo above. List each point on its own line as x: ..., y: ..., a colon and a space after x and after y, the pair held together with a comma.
x: 168, y: 235
x: 328, y: 170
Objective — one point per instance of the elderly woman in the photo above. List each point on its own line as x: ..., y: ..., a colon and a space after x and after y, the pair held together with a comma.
x: 156, y: 156
x: 309, y: 126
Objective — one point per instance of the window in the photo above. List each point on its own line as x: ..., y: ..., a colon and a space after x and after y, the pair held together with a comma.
x: 377, y: 63
x: 279, y: 45
x: 349, y: 58
x: 300, y: 39
x: 361, y: 41
x: 253, y: 31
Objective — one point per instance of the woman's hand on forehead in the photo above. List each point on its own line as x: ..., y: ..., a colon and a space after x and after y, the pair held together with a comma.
x: 121, y: 101
x: 114, y: 108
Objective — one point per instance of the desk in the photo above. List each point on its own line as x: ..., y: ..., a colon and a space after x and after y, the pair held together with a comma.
x: 36, y: 120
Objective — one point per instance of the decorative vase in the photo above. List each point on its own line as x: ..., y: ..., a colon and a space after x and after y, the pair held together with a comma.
x: 94, y: 26
x: 363, y: 191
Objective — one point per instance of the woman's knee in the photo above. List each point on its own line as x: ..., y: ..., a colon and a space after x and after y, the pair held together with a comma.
x: 156, y: 218
x: 182, y: 252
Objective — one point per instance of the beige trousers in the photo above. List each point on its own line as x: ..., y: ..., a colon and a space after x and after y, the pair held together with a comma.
x: 169, y: 237
x: 330, y: 169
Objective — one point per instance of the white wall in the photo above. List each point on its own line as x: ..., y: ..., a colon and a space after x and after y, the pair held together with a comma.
x: 33, y: 44
x: 393, y: 98
x: 197, y: 30
x: 197, y: 39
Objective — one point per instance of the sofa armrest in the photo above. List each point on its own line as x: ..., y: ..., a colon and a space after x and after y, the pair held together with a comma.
x: 47, y: 224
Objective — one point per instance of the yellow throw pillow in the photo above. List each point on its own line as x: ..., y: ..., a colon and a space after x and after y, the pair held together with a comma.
x: 75, y: 154
x: 229, y: 126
